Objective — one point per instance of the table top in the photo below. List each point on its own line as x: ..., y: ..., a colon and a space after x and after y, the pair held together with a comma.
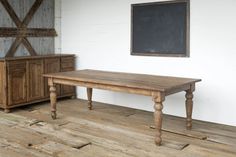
x: 130, y: 80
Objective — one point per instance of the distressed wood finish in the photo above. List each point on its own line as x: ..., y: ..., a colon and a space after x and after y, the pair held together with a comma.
x: 31, y: 32
x: 158, y: 98
x: 111, y: 131
x: 1, y: 82
x: 30, y: 19
x: 89, y: 94
x: 11, y: 12
x: 17, y: 83
x: 51, y: 65
x: 53, y: 98
x: 189, y: 108
x: 35, y: 80
x: 156, y: 86
x: 67, y: 64
x: 22, y: 82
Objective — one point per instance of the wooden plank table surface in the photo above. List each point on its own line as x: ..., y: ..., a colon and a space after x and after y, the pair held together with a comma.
x: 158, y: 87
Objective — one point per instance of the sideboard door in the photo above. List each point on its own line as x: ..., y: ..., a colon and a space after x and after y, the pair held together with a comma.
x: 17, y: 84
x: 67, y: 64
x: 51, y: 65
x: 2, y: 74
x: 35, y: 80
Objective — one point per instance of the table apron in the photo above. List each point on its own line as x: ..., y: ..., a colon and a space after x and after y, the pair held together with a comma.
x: 180, y: 89
x: 116, y: 88
x: 104, y: 86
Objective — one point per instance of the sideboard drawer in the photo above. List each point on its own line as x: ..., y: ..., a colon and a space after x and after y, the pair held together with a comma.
x: 67, y: 63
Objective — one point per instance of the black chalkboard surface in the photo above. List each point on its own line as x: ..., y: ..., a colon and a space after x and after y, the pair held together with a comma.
x: 160, y: 28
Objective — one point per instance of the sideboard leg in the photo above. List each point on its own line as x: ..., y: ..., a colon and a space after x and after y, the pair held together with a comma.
x: 89, y: 94
x: 158, y: 99
x: 7, y: 110
x: 189, y: 108
x: 53, y: 99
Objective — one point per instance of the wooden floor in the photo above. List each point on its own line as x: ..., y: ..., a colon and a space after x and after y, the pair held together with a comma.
x: 107, y: 131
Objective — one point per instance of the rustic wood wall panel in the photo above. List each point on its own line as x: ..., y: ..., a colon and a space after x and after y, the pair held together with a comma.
x: 33, y: 18
x: 5, y: 44
x: 43, y: 46
x: 5, y: 19
x: 21, y: 51
x: 21, y: 7
x: 44, y: 17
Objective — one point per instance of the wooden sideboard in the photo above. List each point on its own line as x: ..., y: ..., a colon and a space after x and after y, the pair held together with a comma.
x: 22, y: 83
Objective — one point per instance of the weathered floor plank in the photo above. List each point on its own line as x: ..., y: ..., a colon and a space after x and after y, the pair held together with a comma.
x: 107, y: 131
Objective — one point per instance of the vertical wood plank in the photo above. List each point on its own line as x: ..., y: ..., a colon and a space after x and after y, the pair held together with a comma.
x: 11, y: 12
x: 44, y: 17
x: 31, y: 12
x: 5, y: 44
x: 5, y: 19
x: 35, y: 80
x: 11, y: 52
x: 1, y: 82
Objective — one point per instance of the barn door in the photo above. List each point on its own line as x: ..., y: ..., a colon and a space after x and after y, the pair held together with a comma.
x: 26, y: 27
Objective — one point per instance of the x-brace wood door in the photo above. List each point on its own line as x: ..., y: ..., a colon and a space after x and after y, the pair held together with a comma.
x: 21, y: 32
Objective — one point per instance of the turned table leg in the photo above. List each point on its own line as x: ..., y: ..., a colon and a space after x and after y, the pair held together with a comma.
x: 89, y: 94
x: 189, y: 108
x: 53, y: 99
x: 158, y: 99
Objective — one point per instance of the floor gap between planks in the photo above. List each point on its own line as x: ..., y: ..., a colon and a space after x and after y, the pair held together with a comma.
x: 107, y: 131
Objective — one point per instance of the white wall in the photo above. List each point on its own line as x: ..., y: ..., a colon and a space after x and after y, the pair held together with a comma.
x: 99, y: 31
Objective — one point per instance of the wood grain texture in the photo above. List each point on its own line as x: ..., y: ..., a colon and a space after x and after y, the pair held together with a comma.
x: 17, y: 83
x: 137, y: 81
x: 11, y: 52
x: 22, y: 13
x: 1, y: 82
x: 31, y: 132
x: 158, y: 99
x: 28, y: 46
x: 53, y: 99
x: 35, y: 83
x: 5, y: 44
x: 11, y: 12
x: 156, y: 86
x: 45, y: 14
x: 67, y: 64
x: 36, y: 57
x: 31, y: 13
x: 51, y: 65
x: 30, y: 32
x: 5, y: 19
x: 189, y: 108
x: 21, y: 81
x: 89, y: 94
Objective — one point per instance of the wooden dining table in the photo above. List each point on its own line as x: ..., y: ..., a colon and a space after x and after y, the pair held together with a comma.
x: 158, y: 87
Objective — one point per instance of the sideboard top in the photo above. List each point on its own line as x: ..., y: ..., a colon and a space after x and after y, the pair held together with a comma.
x: 35, y: 57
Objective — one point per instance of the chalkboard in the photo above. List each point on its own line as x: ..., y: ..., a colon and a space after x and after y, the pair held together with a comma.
x: 160, y: 29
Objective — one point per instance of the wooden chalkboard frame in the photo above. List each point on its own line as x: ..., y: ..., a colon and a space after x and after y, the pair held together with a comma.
x: 186, y: 53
